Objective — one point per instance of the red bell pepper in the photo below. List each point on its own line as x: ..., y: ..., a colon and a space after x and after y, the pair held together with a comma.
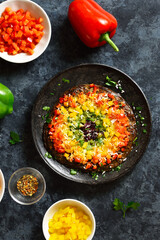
x: 92, y: 23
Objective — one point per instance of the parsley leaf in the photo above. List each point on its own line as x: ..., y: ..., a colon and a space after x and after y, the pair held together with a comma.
x: 118, y: 205
x: 14, y: 138
x: 66, y: 80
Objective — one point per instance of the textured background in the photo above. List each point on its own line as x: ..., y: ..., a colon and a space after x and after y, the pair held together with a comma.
x: 138, y: 38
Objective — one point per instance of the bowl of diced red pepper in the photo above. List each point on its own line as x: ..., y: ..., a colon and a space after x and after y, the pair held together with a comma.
x: 25, y: 31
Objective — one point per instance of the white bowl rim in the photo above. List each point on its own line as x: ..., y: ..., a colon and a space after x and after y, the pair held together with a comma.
x: 3, y: 185
x: 18, y: 170
x: 47, y: 42
x: 79, y: 203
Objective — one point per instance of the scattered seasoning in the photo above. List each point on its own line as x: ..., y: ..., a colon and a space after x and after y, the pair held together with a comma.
x: 73, y: 172
x: 135, y: 139
x: 66, y: 80
x: 48, y: 155
x: 27, y: 185
x: 117, y: 169
x: 46, y: 118
x: 94, y: 175
x: 139, y: 108
x: 138, y: 114
x: 14, y: 138
x: 111, y: 83
x: 46, y: 108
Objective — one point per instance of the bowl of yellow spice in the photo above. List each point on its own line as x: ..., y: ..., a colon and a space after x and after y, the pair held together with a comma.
x: 68, y: 219
x: 27, y: 186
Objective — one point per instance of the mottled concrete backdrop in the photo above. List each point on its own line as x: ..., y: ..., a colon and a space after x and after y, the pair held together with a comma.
x: 138, y: 38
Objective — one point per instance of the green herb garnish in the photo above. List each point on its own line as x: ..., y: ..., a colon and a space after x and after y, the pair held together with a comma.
x: 48, y: 155
x: 118, y: 205
x: 144, y: 131
x: 94, y: 175
x: 73, y: 172
x: 14, y: 138
x: 81, y: 142
x: 66, y: 80
x: 59, y: 84
x: 112, y: 83
x: 51, y: 93
x: 138, y: 108
x: 46, y: 108
x: 135, y: 140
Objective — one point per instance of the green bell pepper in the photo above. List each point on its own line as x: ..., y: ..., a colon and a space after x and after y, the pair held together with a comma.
x: 6, y: 101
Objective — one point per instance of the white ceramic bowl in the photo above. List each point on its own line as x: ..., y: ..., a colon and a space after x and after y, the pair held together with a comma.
x: 2, y: 185
x: 36, y: 11
x: 60, y: 204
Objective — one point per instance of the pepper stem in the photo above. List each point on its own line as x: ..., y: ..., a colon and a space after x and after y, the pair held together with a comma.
x: 105, y: 37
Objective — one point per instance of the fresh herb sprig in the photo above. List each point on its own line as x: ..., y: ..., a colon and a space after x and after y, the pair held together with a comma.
x: 118, y: 205
x: 14, y: 138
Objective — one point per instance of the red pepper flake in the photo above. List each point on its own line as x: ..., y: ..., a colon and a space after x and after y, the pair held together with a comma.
x: 27, y: 185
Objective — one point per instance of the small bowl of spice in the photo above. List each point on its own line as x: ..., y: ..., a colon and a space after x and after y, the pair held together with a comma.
x: 26, y: 186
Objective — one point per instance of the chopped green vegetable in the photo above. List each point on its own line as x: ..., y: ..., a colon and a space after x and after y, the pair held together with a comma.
x: 14, y: 138
x: 66, y: 80
x: 138, y: 108
x: 48, y: 120
x: 51, y: 93
x: 94, y: 175
x: 110, y: 82
x: 46, y: 108
x: 118, y: 205
x: 73, y: 172
x: 81, y: 142
x: 144, y: 131
x: 135, y: 139
x: 42, y: 117
x: 48, y: 155
x: 59, y: 84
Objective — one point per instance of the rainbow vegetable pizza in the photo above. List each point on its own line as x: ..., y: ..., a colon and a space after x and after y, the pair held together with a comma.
x: 92, y: 128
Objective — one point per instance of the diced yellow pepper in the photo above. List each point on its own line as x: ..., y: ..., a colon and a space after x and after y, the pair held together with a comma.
x: 85, y: 145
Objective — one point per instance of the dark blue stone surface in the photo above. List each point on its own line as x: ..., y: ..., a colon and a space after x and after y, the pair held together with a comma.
x: 138, y: 38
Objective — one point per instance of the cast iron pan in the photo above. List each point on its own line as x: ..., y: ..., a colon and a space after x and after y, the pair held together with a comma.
x: 83, y: 74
